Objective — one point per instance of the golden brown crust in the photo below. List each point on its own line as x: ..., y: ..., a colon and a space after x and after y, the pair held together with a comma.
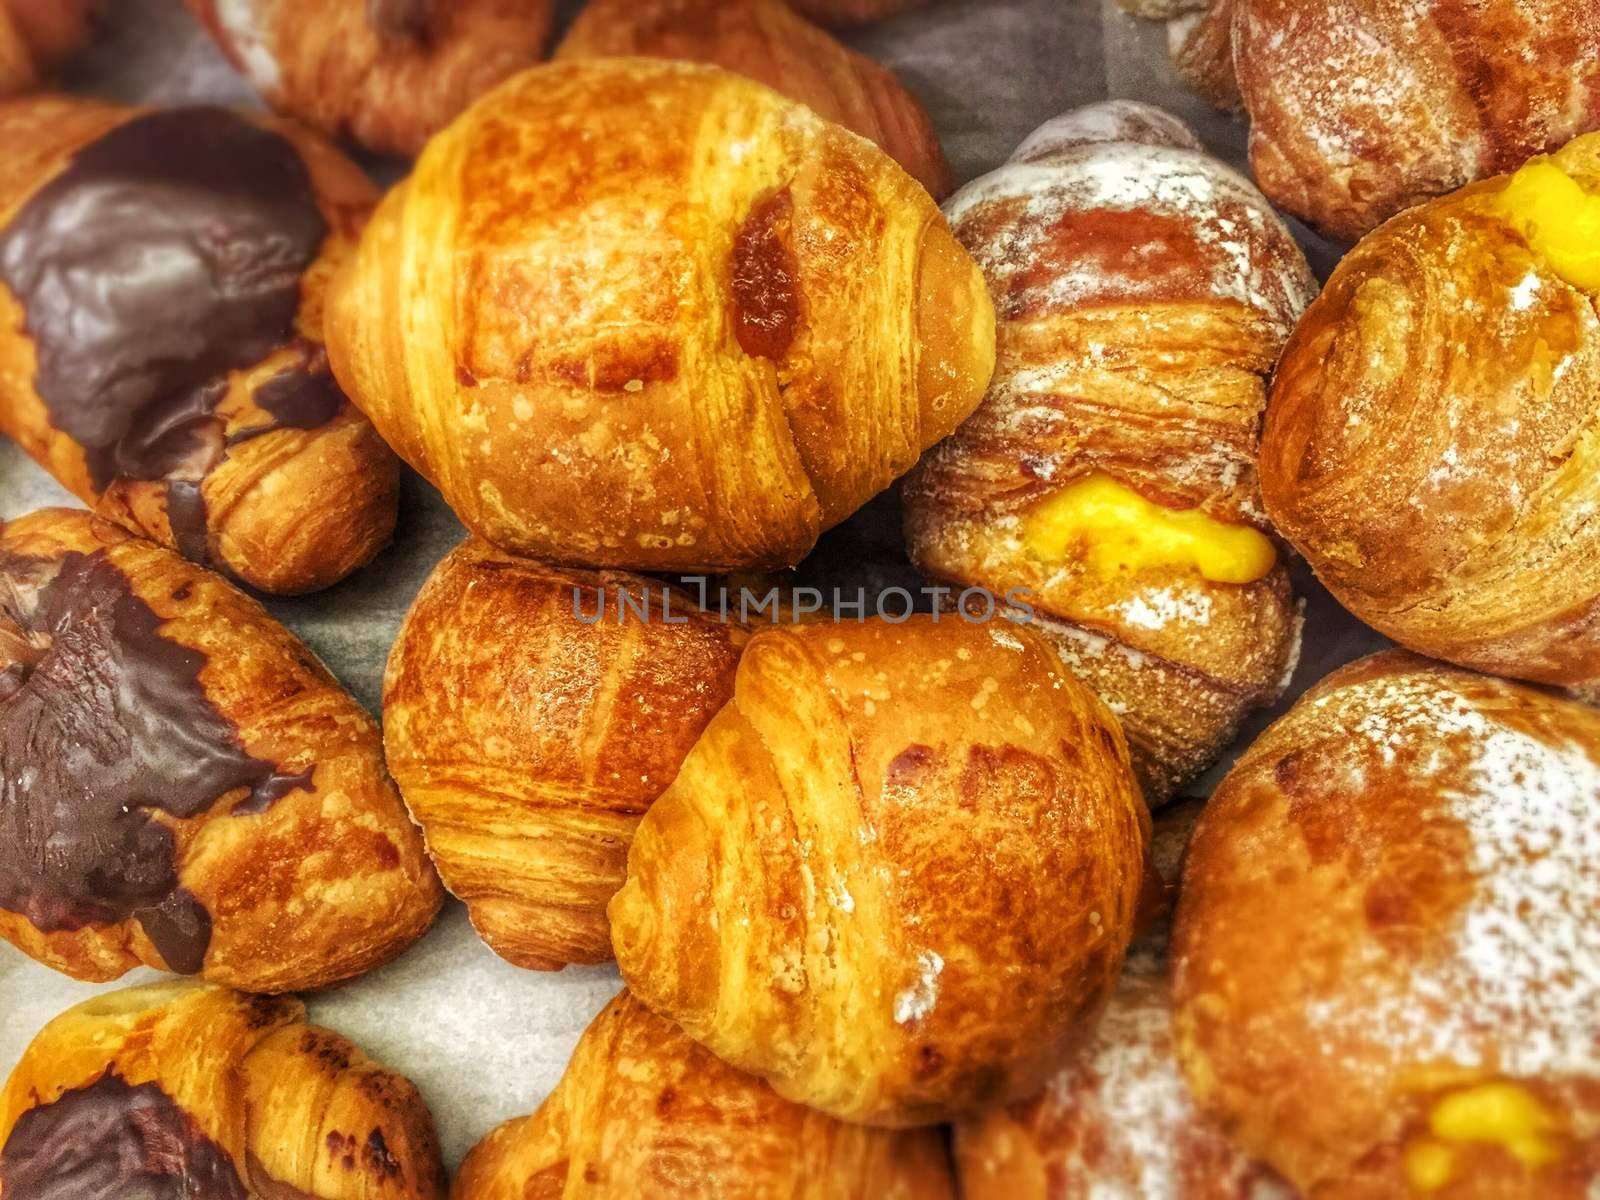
x: 853, y: 12
x: 644, y: 1111
x: 1423, y: 840
x: 1152, y: 374
x: 896, y: 875
x: 327, y: 63
x: 294, y: 1109
x: 530, y: 720
x: 1362, y: 108
x: 767, y: 41
x: 327, y: 880
x: 289, y: 511
x: 1202, y: 53
x: 690, y: 327
x: 1429, y: 445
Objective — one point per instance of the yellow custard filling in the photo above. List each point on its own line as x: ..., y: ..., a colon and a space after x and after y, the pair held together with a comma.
x: 1113, y: 528
x: 1500, y: 1114
x: 1560, y: 219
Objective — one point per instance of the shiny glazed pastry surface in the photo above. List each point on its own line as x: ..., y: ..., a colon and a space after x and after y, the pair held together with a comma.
x: 530, y: 719
x: 161, y: 286
x: 767, y: 41
x: 643, y: 1111
x: 896, y: 875
x: 182, y: 784
x: 693, y: 329
x: 1387, y: 960
x: 1430, y: 445
x: 1144, y: 291
x: 189, y: 1091
x: 388, y: 74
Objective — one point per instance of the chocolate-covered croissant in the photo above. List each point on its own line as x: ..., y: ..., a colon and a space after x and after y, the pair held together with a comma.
x: 646, y: 314
x: 37, y: 34
x: 531, y: 715
x: 161, y: 288
x: 189, y: 1091
x: 896, y: 875
x: 644, y: 1112
x: 388, y: 74
x: 767, y: 41
x: 182, y: 784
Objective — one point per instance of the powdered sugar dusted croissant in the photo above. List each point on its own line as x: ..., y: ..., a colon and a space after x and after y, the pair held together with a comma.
x: 175, y: 1091
x: 642, y: 1111
x: 769, y: 42
x: 1144, y: 291
x: 387, y: 73
x: 1421, y: 1014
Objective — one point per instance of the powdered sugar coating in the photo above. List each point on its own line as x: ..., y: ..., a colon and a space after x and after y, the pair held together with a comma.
x: 1112, y: 121
x: 248, y: 24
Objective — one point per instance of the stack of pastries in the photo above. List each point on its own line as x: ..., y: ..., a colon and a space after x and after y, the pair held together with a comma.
x: 864, y: 877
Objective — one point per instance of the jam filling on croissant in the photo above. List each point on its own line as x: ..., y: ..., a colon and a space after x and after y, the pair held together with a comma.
x: 106, y: 722
x: 110, y: 1139
x: 1559, y: 217
x: 166, y: 254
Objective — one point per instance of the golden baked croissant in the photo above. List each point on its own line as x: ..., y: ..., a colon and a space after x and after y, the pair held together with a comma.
x: 184, y: 1090
x: 767, y: 41
x: 37, y: 34
x: 1144, y: 291
x: 1430, y: 445
x: 388, y: 74
x: 1387, y: 963
x: 605, y: 349
x: 896, y: 875
x: 853, y: 12
x: 644, y: 1112
x: 1201, y: 45
x: 1361, y: 108
x: 531, y: 715
x: 161, y: 286
x: 182, y: 784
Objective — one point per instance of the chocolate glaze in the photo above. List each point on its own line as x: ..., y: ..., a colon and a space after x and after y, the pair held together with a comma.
x: 109, y: 724
x: 166, y: 254
x: 405, y: 19
x: 111, y: 1141
x: 304, y: 396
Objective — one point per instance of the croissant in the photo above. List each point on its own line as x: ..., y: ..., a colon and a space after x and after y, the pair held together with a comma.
x: 1430, y: 443
x: 853, y: 12
x: 182, y: 784
x: 1201, y: 44
x: 767, y: 41
x: 531, y: 715
x: 606, y: 351
x: 185, y: 1089
x: 161, y: 287
x: 896, y: 875
x: 1362, y: 108
x: 387, y: 74
x: 1144, y: 292
x: 35, y: 35
x: 643, y: 1111
x: 1419, y: 1016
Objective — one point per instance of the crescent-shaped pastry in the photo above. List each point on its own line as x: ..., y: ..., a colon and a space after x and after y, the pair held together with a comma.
x: 161, y: 289
x: 1387, y: 976
x: 189, y: 1091
x: 182, y: 784
x: 634, y: 313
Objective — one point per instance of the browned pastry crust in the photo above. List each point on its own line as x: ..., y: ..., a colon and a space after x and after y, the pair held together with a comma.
x: 647, y: 314
x: 184, y: 785
x: 1388, y: 909
x: 1429, y: 446
x: 1202, y: 53
x: 178, y: 1090
x: 896, y: 875
x: 769, y: 42
x: 530, y: 720
x: 37, y: 34
x: 1144, y: 291
x: 1362, y: 108
x: 288, y: 503
x: 387, y: 74
x: 853, y: 12
x: 642, y: 1111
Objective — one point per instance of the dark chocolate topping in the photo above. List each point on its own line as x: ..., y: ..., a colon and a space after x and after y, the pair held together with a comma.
x: 110, y: 1141
x: 304, y: 396
x: 166, y: 254
x: 108, y: 723
x: 406, y: 19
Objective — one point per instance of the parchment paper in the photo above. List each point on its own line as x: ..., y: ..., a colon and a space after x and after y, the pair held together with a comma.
x: 482, y: 1039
